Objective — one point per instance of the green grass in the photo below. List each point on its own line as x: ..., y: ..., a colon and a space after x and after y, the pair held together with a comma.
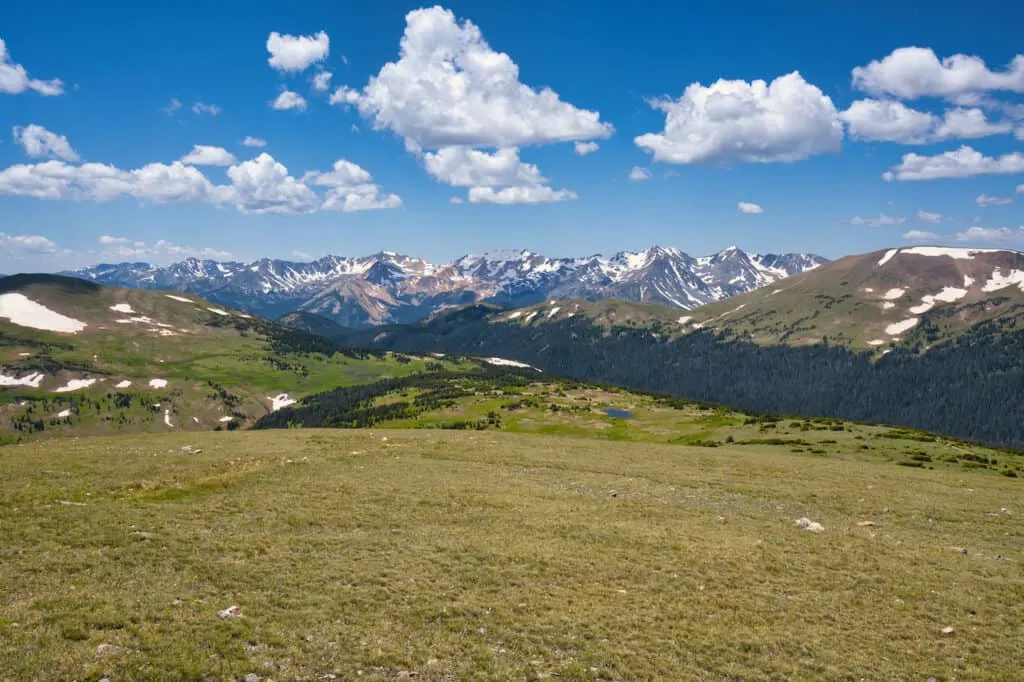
x: 377, y: 554
x: 247, y: 358
x: 580, y: 412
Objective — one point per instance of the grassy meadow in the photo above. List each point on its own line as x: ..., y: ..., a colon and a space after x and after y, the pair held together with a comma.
x: 433, y: 554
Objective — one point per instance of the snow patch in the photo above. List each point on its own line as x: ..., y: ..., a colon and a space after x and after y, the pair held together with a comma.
x: 179, y: 298
x: 957, y: 253
x: 869, y: 290
x: 888, y: 305
x: 900, y: 327
x: 158, y: 383
x: 1000, y: 281
x: 25, y: 312
x: 947, y: 295
x: 167, y: 417
x: 531, y: 316
x: 685, y: 318
x: 553, y: 312
x: 31, y: 380
x: 516, y: 314
x: 876, y: 342
x: 218, y: 311
x: 893, y: 294
x: 225, y: 419
x: 887, y: 257
x: 279, y: 401
x: 123, y: 384
x: 64, y: 413
x: 122, y: 308
x: 968, y: 281
x: 504, y: 362
x: 75, y: 384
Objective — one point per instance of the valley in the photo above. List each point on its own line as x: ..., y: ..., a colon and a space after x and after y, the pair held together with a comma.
x: 805, y: 346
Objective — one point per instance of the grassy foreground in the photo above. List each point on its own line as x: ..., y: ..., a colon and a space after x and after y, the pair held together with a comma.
x: 383, y: 554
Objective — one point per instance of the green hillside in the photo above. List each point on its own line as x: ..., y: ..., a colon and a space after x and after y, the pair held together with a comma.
x: 527, y: 402
x: 438, y: 555
x: 311, y: 324
x: 112, y: 360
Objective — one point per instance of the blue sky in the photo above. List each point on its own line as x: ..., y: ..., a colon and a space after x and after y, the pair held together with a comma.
x: 97, y: 163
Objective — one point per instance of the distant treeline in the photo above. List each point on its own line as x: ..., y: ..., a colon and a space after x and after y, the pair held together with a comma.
x: 969, y: 387
x: 353, y: 407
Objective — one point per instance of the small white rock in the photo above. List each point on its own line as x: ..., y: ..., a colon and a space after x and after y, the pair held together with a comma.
x: 231, y: 612
x: 806, y: 524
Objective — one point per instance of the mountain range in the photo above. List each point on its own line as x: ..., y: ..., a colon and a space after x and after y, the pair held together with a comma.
x: 390, y: 288
x: 929, y: 337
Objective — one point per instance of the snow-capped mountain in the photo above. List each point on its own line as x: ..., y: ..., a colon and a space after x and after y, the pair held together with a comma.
x: 388, y: 287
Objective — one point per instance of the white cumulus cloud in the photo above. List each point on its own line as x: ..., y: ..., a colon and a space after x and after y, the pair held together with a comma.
x: 350, y: 188
x: 322, y: 81
x: 467, y: 167
x: 986, y: 200
x: 14, y: 78
x: 518, y: 195
x: 968, y: 124
x: 289, y: 100
x: 929, y: 217
x: 263, y: 185
x: 155, y: 182
x: 732, y: 120
x: 203, y: 108
x: 450, y: 88
x: 296, y: 53
x: 22, y: 243
x: 912, y: 72
x: 250, y: 141
x: 162, y: 251
x: 41, y: 143
x: 748, y: 207
x: 960, y: 163
x: 260, y: 185
x: 876, y: 120
x: 584, y: 148
x: 920, y: 236
x: 638, y: 174
x: 991, y: 234
x: 205, y: 155
x: 881, y: 220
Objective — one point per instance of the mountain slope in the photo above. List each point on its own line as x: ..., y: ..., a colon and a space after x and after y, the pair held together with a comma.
x: 953, y: 372
x: 391, y: 288
x: 79, y: 357
x: 916, y: 296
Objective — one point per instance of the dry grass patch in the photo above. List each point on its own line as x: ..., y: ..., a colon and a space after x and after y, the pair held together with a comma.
x: 493, y: 556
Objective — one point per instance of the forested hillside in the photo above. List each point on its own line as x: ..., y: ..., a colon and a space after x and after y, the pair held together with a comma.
x: 967, y: 387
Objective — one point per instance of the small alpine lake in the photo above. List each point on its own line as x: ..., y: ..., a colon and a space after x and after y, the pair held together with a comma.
x: 616, y: 413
